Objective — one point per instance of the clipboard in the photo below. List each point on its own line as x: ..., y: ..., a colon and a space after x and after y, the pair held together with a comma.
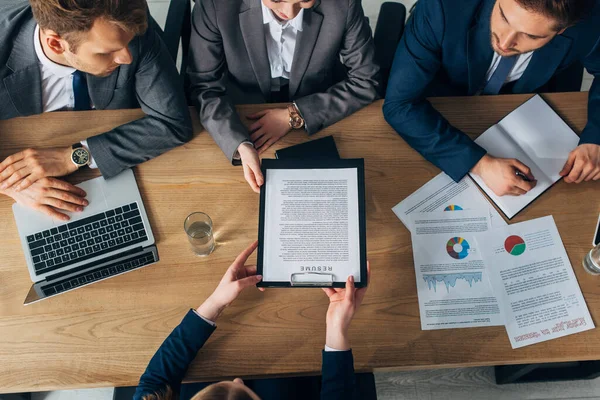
x: 312, y: 275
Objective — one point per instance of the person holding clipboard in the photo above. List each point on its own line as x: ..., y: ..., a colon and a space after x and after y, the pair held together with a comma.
x: 276, y: 51
x: 163, y: 376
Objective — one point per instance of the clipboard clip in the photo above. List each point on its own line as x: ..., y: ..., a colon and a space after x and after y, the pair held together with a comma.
x: 311, y: 279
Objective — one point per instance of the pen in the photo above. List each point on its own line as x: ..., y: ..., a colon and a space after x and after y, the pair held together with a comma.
x: 522, y: 176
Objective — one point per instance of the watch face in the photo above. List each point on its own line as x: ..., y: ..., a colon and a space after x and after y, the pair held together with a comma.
x: 81, y: 156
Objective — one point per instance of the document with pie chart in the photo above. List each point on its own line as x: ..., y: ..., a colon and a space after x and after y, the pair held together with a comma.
x: 534, y: 281
x: 452, y: 280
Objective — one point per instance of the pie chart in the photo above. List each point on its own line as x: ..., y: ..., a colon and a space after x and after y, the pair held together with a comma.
x: 515, y: 245
x: 453, y: 207
x: 457, y: 248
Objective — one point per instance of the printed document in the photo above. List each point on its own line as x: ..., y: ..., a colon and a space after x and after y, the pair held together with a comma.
x: 311, y: 224
x: 452, y: 280
x: 443, y: 194
x: 534, y: 282
x: 535, y: 135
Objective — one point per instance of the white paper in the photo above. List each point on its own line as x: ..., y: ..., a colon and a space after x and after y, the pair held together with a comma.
x: 311, y: 225
x: 535, y: 135
x: 443, y: 194
x: 534, y: 282
x: 452, y: 280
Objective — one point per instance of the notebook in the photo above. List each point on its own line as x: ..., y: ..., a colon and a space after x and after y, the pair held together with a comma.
x: 535, y: 135
x: 319, y: 149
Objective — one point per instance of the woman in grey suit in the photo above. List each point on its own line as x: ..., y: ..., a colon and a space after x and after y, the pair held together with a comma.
x: 284, y: 51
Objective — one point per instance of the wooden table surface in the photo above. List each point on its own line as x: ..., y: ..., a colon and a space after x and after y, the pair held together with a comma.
x: 105, y: 334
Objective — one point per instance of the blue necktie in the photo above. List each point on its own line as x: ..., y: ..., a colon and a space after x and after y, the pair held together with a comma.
x: 80, y: 90
x: 494, y: 85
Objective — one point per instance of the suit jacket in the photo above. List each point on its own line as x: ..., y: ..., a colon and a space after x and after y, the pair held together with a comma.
x: 170, y: 363
x: 150, y: 81
x: 446, y: 51
x: 229, y: 65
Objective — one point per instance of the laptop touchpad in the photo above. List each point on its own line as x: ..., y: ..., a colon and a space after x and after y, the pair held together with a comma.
x: 95, y: 196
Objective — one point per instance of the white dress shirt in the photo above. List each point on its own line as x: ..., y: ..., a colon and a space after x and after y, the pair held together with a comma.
x: 57, y: 85
x: 280, y: 37
x: 516, y: 72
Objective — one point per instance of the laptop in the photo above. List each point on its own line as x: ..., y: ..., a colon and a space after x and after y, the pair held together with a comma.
x: 112, y: 236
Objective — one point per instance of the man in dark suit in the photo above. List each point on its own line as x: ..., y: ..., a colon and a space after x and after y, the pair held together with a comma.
x: 272, y: 51
x: 486, y: 47
x: 65, y: 55
x: 163, y: 376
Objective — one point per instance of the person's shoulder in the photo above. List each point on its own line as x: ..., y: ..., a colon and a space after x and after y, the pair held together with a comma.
x: 12, y: 14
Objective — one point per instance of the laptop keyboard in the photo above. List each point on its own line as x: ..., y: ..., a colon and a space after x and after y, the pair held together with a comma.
x: 99, y: 274
x: 86, y: 238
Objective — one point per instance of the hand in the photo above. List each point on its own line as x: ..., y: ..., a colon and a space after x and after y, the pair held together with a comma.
x: 583, y: 164
x: 237, y: 278
x: 251, y: 165
x: 343, y: 303
x: 49, y: 195
x: 21, y: 170
x: 499, y: 174
x: 271, y: 125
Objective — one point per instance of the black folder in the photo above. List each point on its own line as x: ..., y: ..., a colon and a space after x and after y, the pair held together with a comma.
x: 319, y: 149
x: 358, y: 164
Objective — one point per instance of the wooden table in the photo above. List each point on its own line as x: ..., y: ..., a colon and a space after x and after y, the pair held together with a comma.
x: 105, y: 334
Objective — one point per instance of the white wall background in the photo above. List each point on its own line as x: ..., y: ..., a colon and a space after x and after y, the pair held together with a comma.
x: 159, y: 9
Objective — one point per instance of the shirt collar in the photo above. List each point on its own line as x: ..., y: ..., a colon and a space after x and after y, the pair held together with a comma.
x: 268, y: 18
x: 61, y: 71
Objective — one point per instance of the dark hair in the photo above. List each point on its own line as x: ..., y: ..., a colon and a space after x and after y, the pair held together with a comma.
x: 566, y: 13
x: 71, y: 18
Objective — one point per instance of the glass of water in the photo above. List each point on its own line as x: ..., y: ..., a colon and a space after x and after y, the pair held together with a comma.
x: 591, y: 261
x: 199, y: 229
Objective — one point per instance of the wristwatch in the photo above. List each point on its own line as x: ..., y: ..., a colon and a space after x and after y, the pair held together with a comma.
x: 296, y: 121
x: 80, y: 156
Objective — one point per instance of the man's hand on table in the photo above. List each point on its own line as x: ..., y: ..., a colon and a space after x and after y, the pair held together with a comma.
x: 49, y: 195
x: 269, y: 126
x: 343, y: 303
x: 237, y: 278
x: 251, y: 165
x: 583, y: 164
x: 500, y: 175
x: 21, y: 170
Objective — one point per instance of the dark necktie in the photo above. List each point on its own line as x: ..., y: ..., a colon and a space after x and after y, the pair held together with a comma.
x: 80, y: 90
x: 494, y: 85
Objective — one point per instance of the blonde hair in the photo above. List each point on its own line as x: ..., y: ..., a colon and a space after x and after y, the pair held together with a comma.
x: 216, y: 391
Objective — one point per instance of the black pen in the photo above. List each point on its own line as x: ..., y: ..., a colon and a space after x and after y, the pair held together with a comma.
x: 522, y: 176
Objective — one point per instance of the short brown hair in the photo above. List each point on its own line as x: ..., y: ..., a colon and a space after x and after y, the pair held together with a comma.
x: 70, y: 18
x: 566, y: 13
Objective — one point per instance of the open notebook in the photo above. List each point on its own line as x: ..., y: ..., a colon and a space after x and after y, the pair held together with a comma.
x: 535, y: 135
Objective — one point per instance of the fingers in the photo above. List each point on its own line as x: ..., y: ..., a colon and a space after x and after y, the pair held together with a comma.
x: 11, y: 160
x: 257, y: 115
x: 62, y: 185
x: 350, y: 289
x: 524, y: 169
x: 250, y: 178
x: 575, y: 172
x: 243, y: 256
x: 522, y: 187
x: 597, y: 176
x: 52, y: 212
x: 588, y: 170
x: 257, y: 135
x: 250, y: 270
x: 13, y: 174
x: 247, y: 282
x: 258, y: 175
x: 61, y: 204
x: 568, y: 165
x: 329, y: 291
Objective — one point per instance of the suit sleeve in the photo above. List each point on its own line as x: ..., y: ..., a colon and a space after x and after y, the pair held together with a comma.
x: 170, y: 363
x: 591, y: 132
x: 416, y: 63
x: 207, y: 73
x: 167, y: 123
x: 361, y: 87
x: 338, y: 380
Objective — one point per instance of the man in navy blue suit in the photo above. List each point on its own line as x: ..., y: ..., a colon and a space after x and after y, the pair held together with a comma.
x: 487, y: 47
x: 162, y: 379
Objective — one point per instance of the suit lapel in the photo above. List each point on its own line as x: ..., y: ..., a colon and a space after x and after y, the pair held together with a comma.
x: 479, y: 48
x: 251, y: 24
x: 543, y: 64
x: 101, y: 90
x: 305, y: 45
x: 24, y: 85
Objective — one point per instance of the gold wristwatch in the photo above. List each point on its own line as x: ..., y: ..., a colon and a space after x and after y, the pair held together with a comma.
x: 296, y: 121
